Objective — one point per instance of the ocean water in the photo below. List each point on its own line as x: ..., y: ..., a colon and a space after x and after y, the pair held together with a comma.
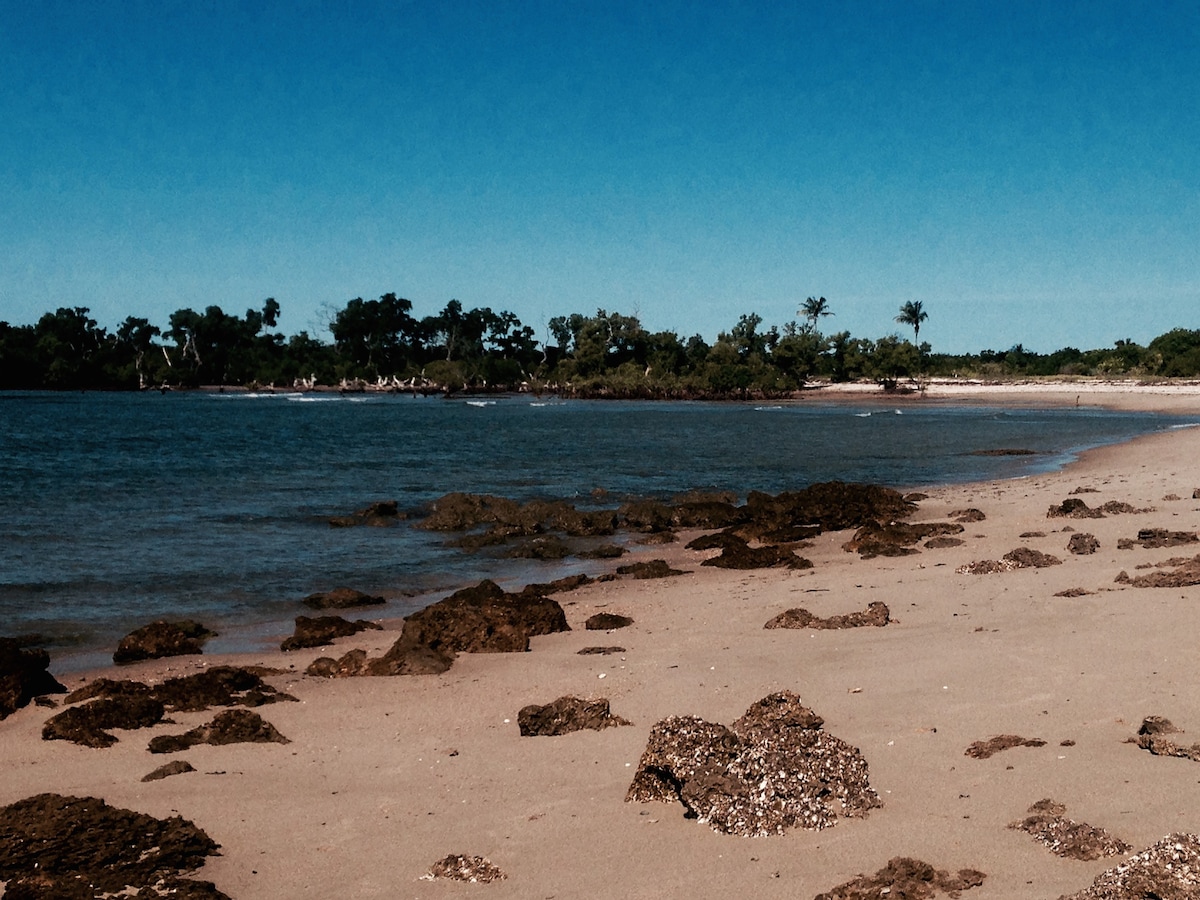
x: 117, y: 509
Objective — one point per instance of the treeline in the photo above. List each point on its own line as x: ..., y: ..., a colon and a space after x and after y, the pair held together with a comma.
x: 380, y: 344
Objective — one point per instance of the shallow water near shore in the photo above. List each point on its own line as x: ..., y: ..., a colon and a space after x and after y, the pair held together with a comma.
x: 119, y: 509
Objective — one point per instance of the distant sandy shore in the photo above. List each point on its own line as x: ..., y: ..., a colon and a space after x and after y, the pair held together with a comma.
x: 385, y: 776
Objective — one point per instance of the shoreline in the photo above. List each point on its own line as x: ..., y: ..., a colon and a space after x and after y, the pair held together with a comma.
x: 384, y: 776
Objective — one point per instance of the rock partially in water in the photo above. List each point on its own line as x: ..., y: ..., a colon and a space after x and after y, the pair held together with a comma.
x: 876, y: 614
x: 23, y: 675
x: 774, y: 770
x: 341, y: 598
x: 53, y: 845
x: 162, y: 639
x: 234, y: 726
x: 906, y: 878
x: 565, y: 715
x: 320, y: 631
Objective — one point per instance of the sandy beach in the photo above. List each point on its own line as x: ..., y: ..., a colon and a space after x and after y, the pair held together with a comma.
x: 384, y: 776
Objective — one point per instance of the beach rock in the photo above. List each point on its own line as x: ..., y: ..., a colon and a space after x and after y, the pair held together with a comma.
x: 565, y: 715
x: 321, y: 631
x: 984, y: 567
x: 905, y: 878
x: 89, y: 725
x: 482, y: 619
x: 719, y: 541
x: 1155, y: 538
x: 737, y: 554
x: 651, y: 568
x: 876, y: 614
x: 1166, y: 870
x: 607, y: 622
x: 1005, y: 451
x: 1026, y: 558
x: 558, y: 586
x: 967, y: 515
x: 23, y: 675
x: 162, y: 639
x: 658, y: 538
x: 1047, y: 823
x: 943, y: 543
x: 896, y: 538
x: 341, y: 598
x: 775, y: 769
x: 471, y: 869
x: 51, y: 845
x: 646, y: 515
x: 1184, y: 573
x: 350, y: 664
x: 1083, y: 544
x: 406, y: 657
x: 544, y: 547
x: 604, y: 551
x: 1157, y: 725
x: 233, y: 726
x: 217, y: 686
x: 461, y: 512
x: 600, y: 651
x: 1074, y: 592
x: 175, y: 767
x: 992, y: 746
x: 1073, y: 508
x: 832, y: 505
x: 706, y: 514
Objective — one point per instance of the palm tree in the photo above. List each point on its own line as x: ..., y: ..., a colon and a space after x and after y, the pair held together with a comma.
x: 911, y: 313
x: 813, y: 310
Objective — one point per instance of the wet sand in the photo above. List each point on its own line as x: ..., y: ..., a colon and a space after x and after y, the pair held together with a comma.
x: 384, y: 776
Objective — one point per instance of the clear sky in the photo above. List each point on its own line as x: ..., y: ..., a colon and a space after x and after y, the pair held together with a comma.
x: 1029, y: 171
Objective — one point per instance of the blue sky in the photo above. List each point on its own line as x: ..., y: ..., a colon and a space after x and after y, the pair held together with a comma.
x: 1029, y: 171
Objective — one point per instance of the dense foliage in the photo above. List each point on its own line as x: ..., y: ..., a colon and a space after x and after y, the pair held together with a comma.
x: 380, y: 343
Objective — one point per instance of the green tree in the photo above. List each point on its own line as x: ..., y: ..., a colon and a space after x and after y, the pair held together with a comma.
x: 913, y: 314
x: 376, y: 337
x: 814, y: 309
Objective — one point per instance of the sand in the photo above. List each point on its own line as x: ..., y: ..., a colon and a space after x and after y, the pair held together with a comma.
x: 385, y: 776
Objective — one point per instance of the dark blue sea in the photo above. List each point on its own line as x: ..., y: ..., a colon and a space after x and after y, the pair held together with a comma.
x: 117, y: 509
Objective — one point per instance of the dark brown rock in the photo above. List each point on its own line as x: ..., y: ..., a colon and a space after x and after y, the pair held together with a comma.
x: 233, y: 726
x: 217, y: 686
x: 341, y: 598
x: 774, y: 770
x: 89, y: 725
x: 1026, y: 558
x: 565, y: 715
x: 833, y: 505
x: 896, y: 538
x: 381, y: 514
x: 544, y: 547
x: 1154, y: 538
x: 175, y: 767
x: 647, y: 515
x: 651, y: 568
x: 992, y: 746
x: 607, y: 622
x: 1157, y: 725
x: 350, y: 664
x: 943, y: 543
x: 407, y: 657
x: 483, y: 619
x: 320, y: 631
x: 1073, y: 508
x: 558, y: 586
x: 1184, y: 573
x: 876, y: 614
x: 1083, y: 544
x: 906, y: 878
x: 600, y: 651
x: 83, y: 840
x: 967, y: 515
x: 604, y: 551
x: 162, y: 639
x: 737, y: 554
x: 23, y: 676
